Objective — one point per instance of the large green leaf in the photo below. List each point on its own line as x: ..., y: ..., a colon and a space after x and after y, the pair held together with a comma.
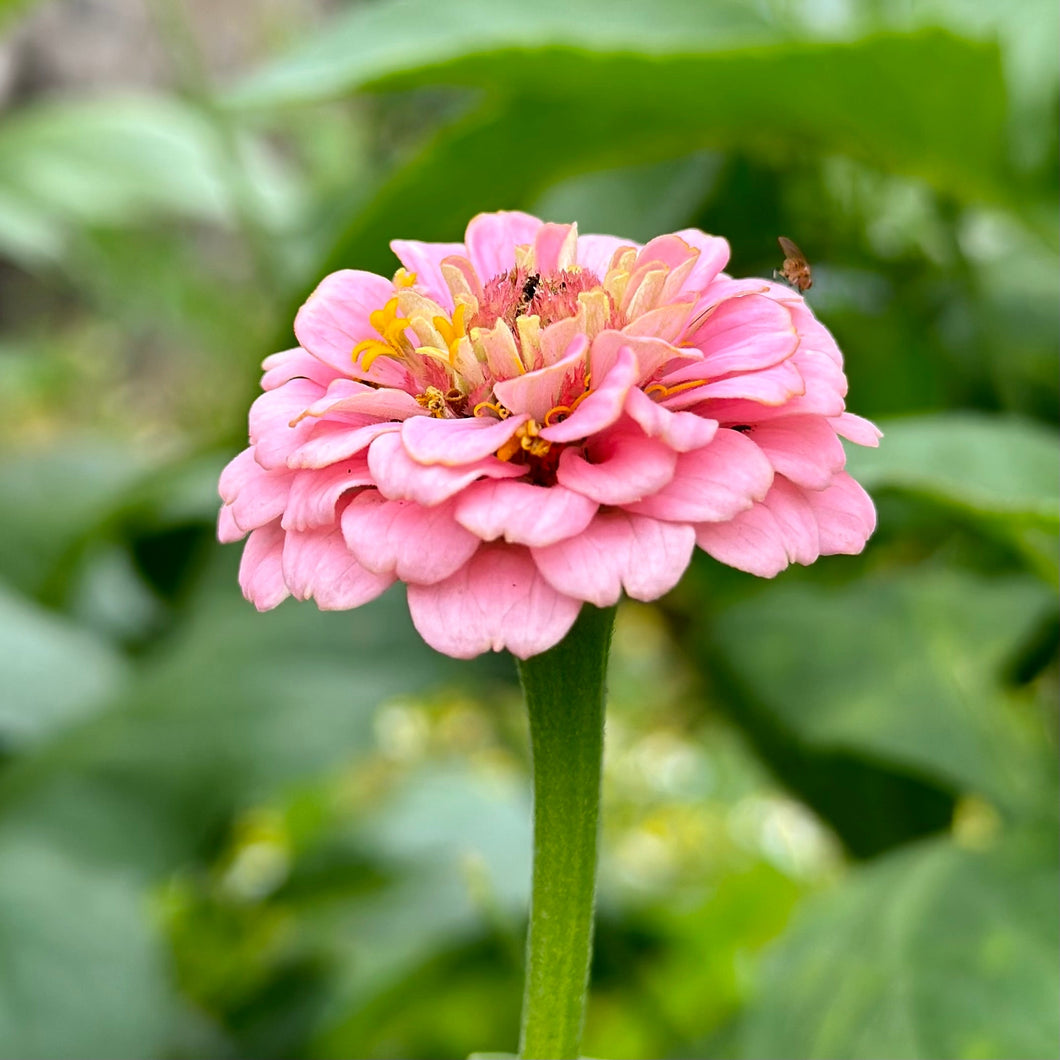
x: 81, y: 974
x: 906, y: 671
x: 932, y: 952
x: 53, y: 671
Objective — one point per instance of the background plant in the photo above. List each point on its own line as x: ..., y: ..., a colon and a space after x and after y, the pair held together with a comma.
x: 830, y: 803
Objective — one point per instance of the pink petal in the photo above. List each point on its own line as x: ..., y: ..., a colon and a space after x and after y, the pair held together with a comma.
x: 335, y: 316
x: 602, y: 407
x: 399, y: 477
x: 271, y: 417
x: 497, y: 600
x: 651, y: 353
x: 554, y: 247
x: 751, y: 541
x: 664, y: 322
x: 425, y: 260
x: 856, y: 429
x: 713, y: 483
x: 317, y: 563
x: 744, y: 335
x: 772, y: 386
x: 713, y: 255
x: 595, y: 252
x: 624, y: 466
x: 282, y: 367
x: 522, y: 513
x: 795, y: 521
x: 845, y: 514
x: 416, y: 544
x: 804, y: 449
x: 535, y: 393
x: 456, y: 443
x: 681, y: 431
x: 645, y: 556
x: 261, y: 568
x: 315, y: 492
x: 354, y: 398
x: 227, y: 528
x: 491, y: 239
x: 329, y: 442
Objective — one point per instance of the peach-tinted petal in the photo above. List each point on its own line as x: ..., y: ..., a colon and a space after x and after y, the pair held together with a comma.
x: 261, y: 568
x: 623, y: 466
x: 317, y: 564
x: 497, y: 600
x: 713, y: 483
x: 403, y: 538
x: 713, y: 255
x: 595, y: 252
x: 399, y: 477
x: 554, y: 247
x: 618, y: 550
x: 522, y: 513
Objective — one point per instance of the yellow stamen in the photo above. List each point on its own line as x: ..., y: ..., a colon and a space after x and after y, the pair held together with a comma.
x: 499, y: 409
x: 526, y: 439
x: 404, y: 278
x: 392, y: 328
x: 434, y: 401
x: 665, y: 392
x: 452, y: 331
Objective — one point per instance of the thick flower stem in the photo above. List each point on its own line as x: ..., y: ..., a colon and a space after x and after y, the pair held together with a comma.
x: 564, y: 690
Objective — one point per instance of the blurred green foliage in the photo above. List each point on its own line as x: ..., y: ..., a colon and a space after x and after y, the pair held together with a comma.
x: 830, y: 803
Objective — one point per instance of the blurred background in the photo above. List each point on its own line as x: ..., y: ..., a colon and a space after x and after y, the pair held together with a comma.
x: 830, y: 800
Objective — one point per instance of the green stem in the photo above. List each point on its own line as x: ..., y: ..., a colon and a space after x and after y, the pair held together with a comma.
x: 564, y: 690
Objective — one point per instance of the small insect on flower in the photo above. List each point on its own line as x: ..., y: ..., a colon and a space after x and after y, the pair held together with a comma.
x: 796, y: 269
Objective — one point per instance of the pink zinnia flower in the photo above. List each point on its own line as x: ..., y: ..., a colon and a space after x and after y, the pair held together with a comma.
x: 532, y: 419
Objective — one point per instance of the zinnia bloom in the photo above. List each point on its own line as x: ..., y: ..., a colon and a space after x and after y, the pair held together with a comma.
x: 532, y: 419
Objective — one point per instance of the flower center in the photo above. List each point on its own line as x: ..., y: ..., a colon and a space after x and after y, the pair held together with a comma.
x: 523, y: 292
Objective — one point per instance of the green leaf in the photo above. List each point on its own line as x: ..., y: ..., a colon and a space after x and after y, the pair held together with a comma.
x: 935, y: 951
x: 54, y: 672
x: 905, y: 670
x: 984, y: 465
x: 82, y: 974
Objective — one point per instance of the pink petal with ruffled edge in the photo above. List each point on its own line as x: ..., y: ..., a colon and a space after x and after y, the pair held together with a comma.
x: 535, y: 393
x: 491, y: 239
x: 402, y: 538
x: 455, y: 443
x: 522, y: 513
x: 335, y: 316
x: 425, y: 260
x: 602, y: 407
x: 331, y: 442
x: 497, y: 600
x: 282, y: 367
x: 681, y: 431
x: 261, y: 568
x: 624, y: 466
x: 771, y: 387
x: 357, y: 399
x: 804, y: 449
x: 744, y: 335
x: 618, y: 550
x: 845, y: 514
x: 399, y: 477
x: 651, y: 354
x: 315, y: 493
x: 712, y: 483
x: 765, y: 539
x: 271, y: 417
x: 713, y: 255
x: 554, y: 247
x: 317, y: 564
